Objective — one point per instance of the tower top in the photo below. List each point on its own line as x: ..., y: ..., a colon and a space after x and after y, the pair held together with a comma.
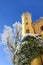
x: 24, y: 14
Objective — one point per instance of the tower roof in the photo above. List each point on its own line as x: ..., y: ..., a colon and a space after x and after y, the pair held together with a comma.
x: 27, y: 13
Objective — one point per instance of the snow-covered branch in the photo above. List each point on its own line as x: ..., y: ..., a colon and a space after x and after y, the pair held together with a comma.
x: 11, y: 35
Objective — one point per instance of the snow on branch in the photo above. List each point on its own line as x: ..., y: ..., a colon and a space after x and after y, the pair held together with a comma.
x: 11, y: 35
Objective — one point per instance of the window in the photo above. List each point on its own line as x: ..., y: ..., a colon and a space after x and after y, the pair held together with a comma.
x: 26, y: 23
x: 27, y: 31
x: 41, y: 27
x: 26, y: 18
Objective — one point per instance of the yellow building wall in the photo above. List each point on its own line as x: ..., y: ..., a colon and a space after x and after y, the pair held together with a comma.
x: 32, y: 27
x: 26, y: 18
x: 36, y: 61
x: 37, y: 26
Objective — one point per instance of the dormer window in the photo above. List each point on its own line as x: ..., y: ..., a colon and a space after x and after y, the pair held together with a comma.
x: 26, y: 18
x: 26, y: 23
x: 27, y: 31
x: 41, y: 27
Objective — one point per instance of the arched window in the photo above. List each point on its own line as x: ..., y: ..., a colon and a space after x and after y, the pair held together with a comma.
x: 27, y: 31
x: 26, y: 23
x: 26, y: 18
x: 41, y: 27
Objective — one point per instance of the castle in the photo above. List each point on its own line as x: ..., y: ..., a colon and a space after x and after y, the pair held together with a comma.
x: 35, y: 28
x: 29, y: 27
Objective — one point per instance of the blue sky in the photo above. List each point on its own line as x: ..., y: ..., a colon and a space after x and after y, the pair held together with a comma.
x: 11, y: 11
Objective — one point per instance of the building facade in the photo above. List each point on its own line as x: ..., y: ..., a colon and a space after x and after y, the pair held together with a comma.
x: 29, y: 27
x: 35, y: 28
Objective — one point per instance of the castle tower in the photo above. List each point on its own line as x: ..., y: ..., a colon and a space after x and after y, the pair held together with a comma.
x: 27, y: 23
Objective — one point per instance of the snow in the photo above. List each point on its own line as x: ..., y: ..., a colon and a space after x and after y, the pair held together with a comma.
x: 7, y: 32
x: 28, y: 34
x: 37, y: 36
x: 11, y: 32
